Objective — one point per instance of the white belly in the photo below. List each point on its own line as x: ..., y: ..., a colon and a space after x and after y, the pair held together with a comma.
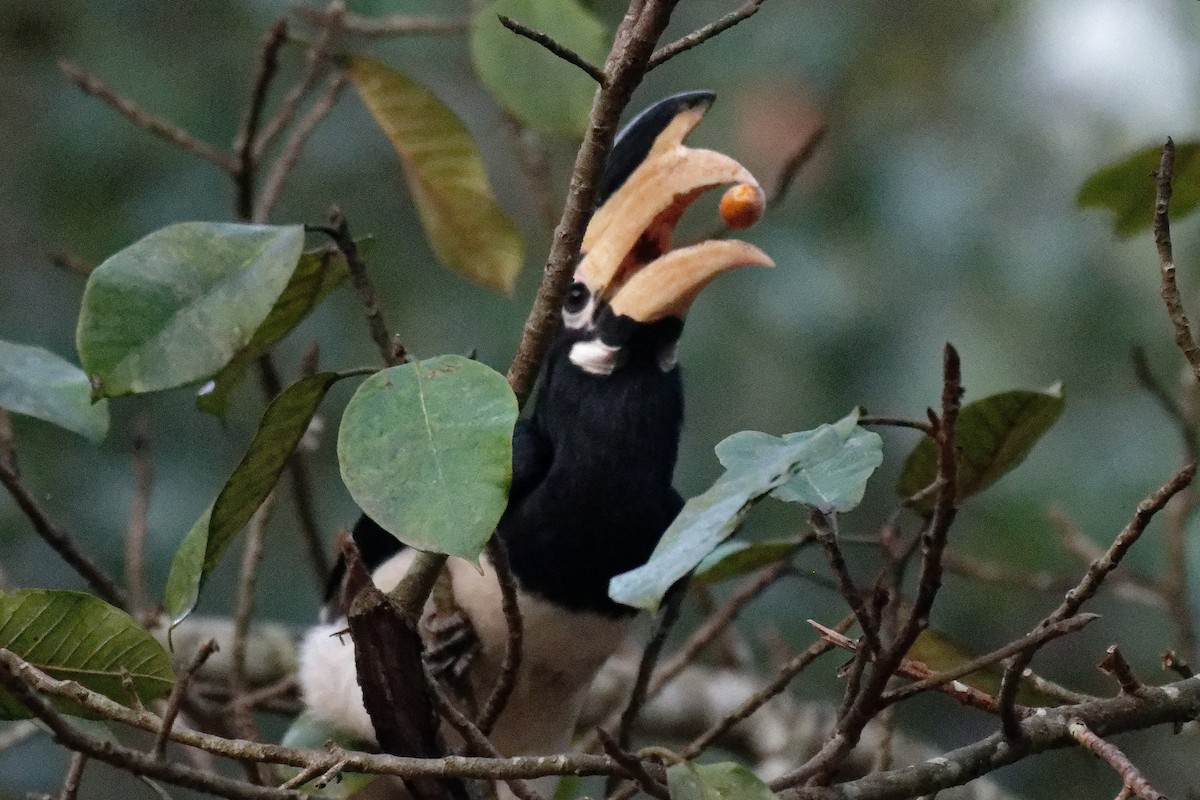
x: 562, y: 650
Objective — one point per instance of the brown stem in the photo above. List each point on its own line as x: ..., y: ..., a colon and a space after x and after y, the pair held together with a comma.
x: 701, y: 35
x: 507, y: 680
x: 135, y: 532
x: 135, y: 114
x: 554, y: 46
x: 243, y: 147
x: 1133, y: 779
x: 61, y: 542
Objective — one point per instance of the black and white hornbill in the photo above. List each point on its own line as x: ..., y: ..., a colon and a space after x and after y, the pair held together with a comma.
x: 592, y: 464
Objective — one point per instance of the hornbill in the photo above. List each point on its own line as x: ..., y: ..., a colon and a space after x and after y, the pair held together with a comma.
x: 592, y: 464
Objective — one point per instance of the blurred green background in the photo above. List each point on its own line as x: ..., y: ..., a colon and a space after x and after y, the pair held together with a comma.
x: 939, y: 208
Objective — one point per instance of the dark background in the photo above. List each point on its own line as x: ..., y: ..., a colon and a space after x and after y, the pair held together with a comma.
x: 939, y: 208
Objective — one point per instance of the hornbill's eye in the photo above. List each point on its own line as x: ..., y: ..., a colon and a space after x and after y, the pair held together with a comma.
x: 577, y: 298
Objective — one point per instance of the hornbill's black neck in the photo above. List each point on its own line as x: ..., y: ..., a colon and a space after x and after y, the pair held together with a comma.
x: 600, y: 496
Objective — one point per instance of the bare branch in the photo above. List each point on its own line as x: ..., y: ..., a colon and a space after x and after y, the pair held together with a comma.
x: 507, y: 680
x: 283, y: 166
x: 176, y: 697
x: 1114, y: 664
x: 664, y: 54
x: 314, y: 61
x: 1132, y: 778
x: 1090, y: 583
x: 554, y: 46
x: 61, y: 542
x: 243, y: 146
x: 339, y: 231
x: 898, y: 422
x: 637, y: 696
x: 626, y: 65
x: 135, y: 114
x: 70, y: 787
x: 1162, y: 241
x: 631, y: 762
x: 827, y: 538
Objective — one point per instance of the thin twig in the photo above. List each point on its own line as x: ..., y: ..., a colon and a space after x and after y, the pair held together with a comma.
x: 70, y: 787
x: 633, y: 44
x: 823, y: 527
x: 507, y: 680
x: 637, y: 770
x: 1114, y: 664
x: 135, y: 532
x: 135, y: 114
x: 1090, y: 583
x: 791, y: 168
x: 637, y: 695
x: 339, y: 231
x: 716, y: 623
x: 701, y: 35
x: 1162, y: 241
x: 1035, y: 639
x: 1125, y: 583
x: 1149, y: 381
x: 396, y: 25
x: 898, y: 422
x: 61, y: 542
x: 475, y: 739
x: 243, y: 146
x: 778, y: 684
x: 313, y: 63
x: 1133, y: 779
x: 1176, y: 664
x: 171, y: 709
x: 283, y: 166
x: 554, y: 46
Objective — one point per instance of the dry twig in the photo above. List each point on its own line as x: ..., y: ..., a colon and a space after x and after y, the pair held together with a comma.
x: 1162, y: 241
x: 702, y: 35
x: 507, y: 680
x: 554, y: 46
x: 1133, y: 779
x: 135, y: 533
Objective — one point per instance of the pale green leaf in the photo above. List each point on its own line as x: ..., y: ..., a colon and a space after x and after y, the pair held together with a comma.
x: 826, y: 468
x: 176, y: 306
x: 426, y: 451
x: 74, y: 636
x: 37, y: 383
x: 467, y: 230
x: 734, y: 558
x: 539, y: 88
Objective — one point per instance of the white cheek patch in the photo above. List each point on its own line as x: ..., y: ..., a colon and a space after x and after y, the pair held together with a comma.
x: 580, y: 319
x: 594, y: 357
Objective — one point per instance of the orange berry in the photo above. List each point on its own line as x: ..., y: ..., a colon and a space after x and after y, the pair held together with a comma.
x: 742, y: 206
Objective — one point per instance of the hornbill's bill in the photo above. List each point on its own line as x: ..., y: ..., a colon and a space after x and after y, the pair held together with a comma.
x: 592, y: 464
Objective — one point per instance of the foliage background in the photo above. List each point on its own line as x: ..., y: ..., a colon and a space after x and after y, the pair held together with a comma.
x: 940, y: 207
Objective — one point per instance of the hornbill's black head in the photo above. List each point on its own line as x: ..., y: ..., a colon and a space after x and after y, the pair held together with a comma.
x: 592, y: 467
x: 631, y: 289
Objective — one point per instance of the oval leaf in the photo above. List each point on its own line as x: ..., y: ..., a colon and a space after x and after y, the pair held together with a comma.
x: 539, y: 88
x: 735, y: 558
x: 74, y: 636
x: 825, y: 468
x: 1127, y: 187
x: 465, y: 227
x: 282, y: 426
x: 426, y: 451
x: 723, y: 781
x: 37, y: 383
x: 317, y: 274
x: 994, y: 435
x: 176, y: 306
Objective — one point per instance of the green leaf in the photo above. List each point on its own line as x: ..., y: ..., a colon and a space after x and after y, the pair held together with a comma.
x: 467, y: 230
x: 735, y: 558
x: 317, y: 274
x: 826, y: 468
x: 722, y: 781
x: 176, y: 306
x: 994, y: 435
x: 74, y: 636
x: 39, y: 384
x: 1127, y: 187
x: 282, y: 426
x: 539, y: 88
x: 426, y: 451
x: 310, y: 733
